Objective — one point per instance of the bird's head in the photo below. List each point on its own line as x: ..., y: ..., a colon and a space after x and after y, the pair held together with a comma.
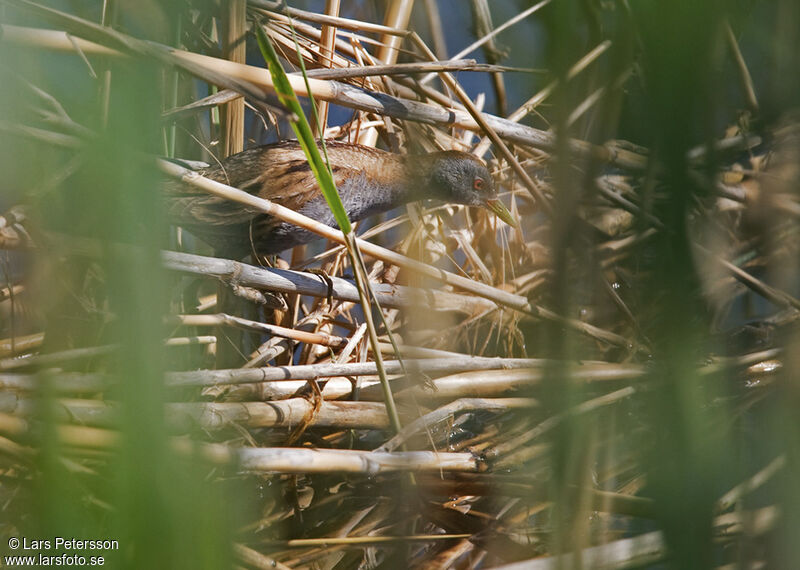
x: 462, y: 178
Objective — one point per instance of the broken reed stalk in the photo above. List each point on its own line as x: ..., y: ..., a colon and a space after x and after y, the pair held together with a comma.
x: 247, y: 324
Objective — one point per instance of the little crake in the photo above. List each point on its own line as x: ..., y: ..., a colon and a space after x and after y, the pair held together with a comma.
x: 369, y: 181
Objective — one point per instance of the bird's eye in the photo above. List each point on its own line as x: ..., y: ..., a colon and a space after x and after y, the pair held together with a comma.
x: 477, y: 184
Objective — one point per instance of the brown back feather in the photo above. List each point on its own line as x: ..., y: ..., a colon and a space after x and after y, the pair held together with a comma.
x: 278, y: 172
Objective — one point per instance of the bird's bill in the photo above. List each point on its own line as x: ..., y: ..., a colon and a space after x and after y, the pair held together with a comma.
x: 499, y: 209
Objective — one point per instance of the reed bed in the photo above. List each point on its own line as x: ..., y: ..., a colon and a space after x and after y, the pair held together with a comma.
x: 611, y: 384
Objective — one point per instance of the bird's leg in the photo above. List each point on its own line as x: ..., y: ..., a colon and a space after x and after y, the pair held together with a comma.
x: 267, y: 299
x: 328, y: 281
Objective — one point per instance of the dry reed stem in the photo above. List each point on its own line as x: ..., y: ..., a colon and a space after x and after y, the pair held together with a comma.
x: 284, y: 460
x: 234, y: 321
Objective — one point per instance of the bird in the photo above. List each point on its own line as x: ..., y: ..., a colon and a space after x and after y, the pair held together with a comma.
x: 369, y: 181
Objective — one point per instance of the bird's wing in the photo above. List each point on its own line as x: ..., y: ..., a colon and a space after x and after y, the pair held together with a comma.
x: 292, y: 183
x: 279, y: 173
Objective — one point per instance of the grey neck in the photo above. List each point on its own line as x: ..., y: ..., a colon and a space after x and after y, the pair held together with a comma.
x: 363, y: 198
